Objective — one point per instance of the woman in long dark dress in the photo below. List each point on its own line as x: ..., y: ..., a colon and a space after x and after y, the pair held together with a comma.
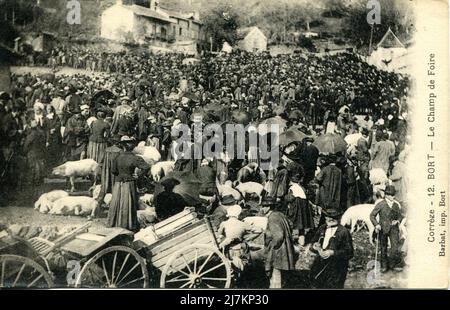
x: 97, y: 139
x: 298, y: 210
x: 54, y: 138
x: 34, y: 150
x: 125, y: 200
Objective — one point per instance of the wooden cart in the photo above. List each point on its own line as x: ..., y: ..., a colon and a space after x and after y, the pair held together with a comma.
x: 183, y: 253
x: 180, y: 252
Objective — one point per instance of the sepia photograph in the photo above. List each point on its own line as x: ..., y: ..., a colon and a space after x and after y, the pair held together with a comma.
x: 223, y: 144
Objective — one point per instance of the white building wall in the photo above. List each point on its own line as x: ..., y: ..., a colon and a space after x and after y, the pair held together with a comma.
x: 255, y: 40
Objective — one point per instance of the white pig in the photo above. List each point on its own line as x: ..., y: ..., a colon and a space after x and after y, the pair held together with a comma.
x: 161, y: 169
x: 251, y: 188
x: 227, y: 189
x: 73, y: 169
x: 149, y: 153
x: 47, y: 199
x: 74, y: 205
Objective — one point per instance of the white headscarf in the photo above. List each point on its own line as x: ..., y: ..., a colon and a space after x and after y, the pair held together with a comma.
x: 297, y: 191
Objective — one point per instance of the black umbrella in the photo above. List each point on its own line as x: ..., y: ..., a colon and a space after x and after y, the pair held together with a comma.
x: 103, y: 95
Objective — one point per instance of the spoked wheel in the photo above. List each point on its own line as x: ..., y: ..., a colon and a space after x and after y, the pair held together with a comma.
x: 19, y: 271
x: 197, y: 266
x: 114, y: 267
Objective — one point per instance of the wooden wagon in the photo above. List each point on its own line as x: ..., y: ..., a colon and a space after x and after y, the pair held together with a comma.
x: 180, y: 252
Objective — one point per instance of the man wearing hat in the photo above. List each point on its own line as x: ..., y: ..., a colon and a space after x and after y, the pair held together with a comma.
x: 60, y: 105
x: 387, y: 227
x: 76, y: 135
x: 279, y: 248
x: 363, y: 160
x: 154, y: 131
x: 220, y: 213
x: 166, y: 138
x: 168, y: 203
x: 308, y: 159
x: 73, y: 100
x: 334, y: 248
x: 329, y: 180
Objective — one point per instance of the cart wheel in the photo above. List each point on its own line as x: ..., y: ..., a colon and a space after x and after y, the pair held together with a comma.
x: 20, y: 271
x: 197, y: 266
x: 114, y: 267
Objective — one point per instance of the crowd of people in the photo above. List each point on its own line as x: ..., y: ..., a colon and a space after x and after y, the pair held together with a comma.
x: 134, y: 96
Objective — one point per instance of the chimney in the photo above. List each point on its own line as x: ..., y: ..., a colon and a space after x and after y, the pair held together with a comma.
x: 154, y: 5
x: 196, y: 15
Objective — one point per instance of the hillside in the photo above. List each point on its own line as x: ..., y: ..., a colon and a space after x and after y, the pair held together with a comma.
x: 278, y: 19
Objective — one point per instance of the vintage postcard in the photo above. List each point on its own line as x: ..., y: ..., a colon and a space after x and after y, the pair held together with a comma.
x: 224, y: 144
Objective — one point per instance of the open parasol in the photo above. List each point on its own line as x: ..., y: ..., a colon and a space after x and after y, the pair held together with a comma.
x: 330, y: 143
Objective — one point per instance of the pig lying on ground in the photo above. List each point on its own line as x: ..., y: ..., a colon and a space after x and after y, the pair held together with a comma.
x: 251, y: 188
x: 227, y: 189
x: 45, y: 201
x: 73, y: 169
x: 74, y: 205
x: 161, y: 169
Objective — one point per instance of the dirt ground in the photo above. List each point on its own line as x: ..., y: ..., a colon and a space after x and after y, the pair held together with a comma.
x: 59, y: 71
x: 361, y: 274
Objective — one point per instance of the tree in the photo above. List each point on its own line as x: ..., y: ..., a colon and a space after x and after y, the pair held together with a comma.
x: 221, y: 23
x: 396, y: 15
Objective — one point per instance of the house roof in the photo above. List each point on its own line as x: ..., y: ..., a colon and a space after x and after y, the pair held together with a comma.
x: 7, y: 54
x: 390, y: 40
x: 184, y: 16
x: 243, y: 32
x: 143, y: 11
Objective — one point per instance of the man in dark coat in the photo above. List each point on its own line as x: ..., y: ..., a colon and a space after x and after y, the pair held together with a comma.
x: 76, y: 135
x: 279, y: 249
x: 390, y: 217
x: 168, y: 203
x: 329, y: 180
x: 11, y: 134
x: 166, y: 140
x: 334, y: 248
x: 363, y: 159
x: 207, y: 177
x: 308, y: 157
